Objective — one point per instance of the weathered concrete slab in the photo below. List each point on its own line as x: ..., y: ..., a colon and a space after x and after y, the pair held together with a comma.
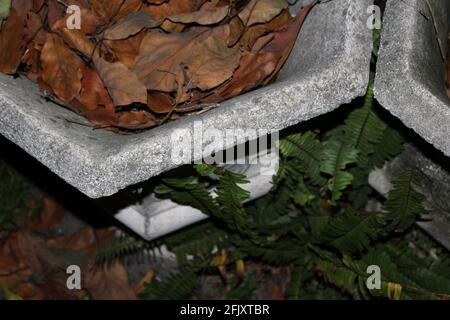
x: 435, y: 180
x: 411, y: 69
x: 329, y: 67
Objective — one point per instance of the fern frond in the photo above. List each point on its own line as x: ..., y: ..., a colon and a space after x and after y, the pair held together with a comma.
x: 352, y: 231
x: 364, y: 129
x: 306, y: 148
x: 189, y: 191
x: 175, y: 287
x: 390, y: 146
x: 336, y: 156
x: 123, y: 247
x: 404, y: 205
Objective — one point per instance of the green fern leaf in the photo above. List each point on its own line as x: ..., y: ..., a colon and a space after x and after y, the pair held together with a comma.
x: 352, y: 231
x: 308, y: 150
x: 364, y: 128
x: 336, y: 156
x: 404, y: 205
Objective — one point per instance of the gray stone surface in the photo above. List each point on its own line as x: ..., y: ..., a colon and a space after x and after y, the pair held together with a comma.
x: 153, y: 217
x: 411, y: 71
x: 435, y: 182
x: 329, y: 67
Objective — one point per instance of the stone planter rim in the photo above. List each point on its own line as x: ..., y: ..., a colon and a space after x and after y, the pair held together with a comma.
x: 100, y: 163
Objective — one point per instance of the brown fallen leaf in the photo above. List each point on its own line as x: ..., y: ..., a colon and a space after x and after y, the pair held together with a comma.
x: 109, y: 282
x: 126, y: 51
x: 91, y: 22
x: 255, y: 32
x: 57, y: 10
x: 236, y: 29
x: 130, y: 25
x: 208, y: 60
x: 160, y: 102
x: 206, y: 15
x: 284, y: 40
x: 33, y: 24
x: 93, y: 94
x: 115, y: 10
x: 32, y: 251
x: 254, y: 70
x: 11, y: 35
x: 84, y: 241
x: 161, y: 11
x: 213, y: 63
x: 78, y: 41
x: 170, y: 26
x: 49, y: 218
x: 61, y: 68
x: 260, y: 11
x: 123, y: 85
x: 136, y: 63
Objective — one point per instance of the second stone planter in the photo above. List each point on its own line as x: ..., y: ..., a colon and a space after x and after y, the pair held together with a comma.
x: 410, y: 79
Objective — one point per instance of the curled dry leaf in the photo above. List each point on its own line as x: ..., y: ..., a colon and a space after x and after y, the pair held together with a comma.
x: 123, y: 85
x: 130, y: 25
x: 60, y: 68
x: 261, y: 11
x: 252, y: 34
x: 115, y: 10
x: 135, y: 63
x: 254, y: 69
x: 213, y: 63
x: 78, y: 41
x: 126, y: 50
x: 172, y: 7
x: 160, y: 102
x: 207, y: 60
x: 206, y: 15
x: 93, y: 94
x: 90, y: 24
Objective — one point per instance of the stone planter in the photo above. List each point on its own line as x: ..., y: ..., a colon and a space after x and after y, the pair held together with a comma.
x: 411, y: 68
x: 435, y: 186
x: 329, y: 67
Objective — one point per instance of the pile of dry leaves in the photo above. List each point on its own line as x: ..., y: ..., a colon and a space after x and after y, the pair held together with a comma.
x: 134, y: 64
x: 34, y: 261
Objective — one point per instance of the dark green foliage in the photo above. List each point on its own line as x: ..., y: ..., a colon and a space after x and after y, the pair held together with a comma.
x: 121, y: 247
x: 404, y: 204
x: 352, y: 231
x: 177, y: 286
x: 18, y: 198
x: 314, y: 220
x: 245, y: 290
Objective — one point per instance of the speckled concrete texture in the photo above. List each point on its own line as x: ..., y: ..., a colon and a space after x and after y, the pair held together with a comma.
x: 411, y: 69
x: 329, y: 67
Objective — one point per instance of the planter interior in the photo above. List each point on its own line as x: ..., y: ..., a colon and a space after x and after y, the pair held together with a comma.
x: 410, y: 80
x: 328, y: 67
